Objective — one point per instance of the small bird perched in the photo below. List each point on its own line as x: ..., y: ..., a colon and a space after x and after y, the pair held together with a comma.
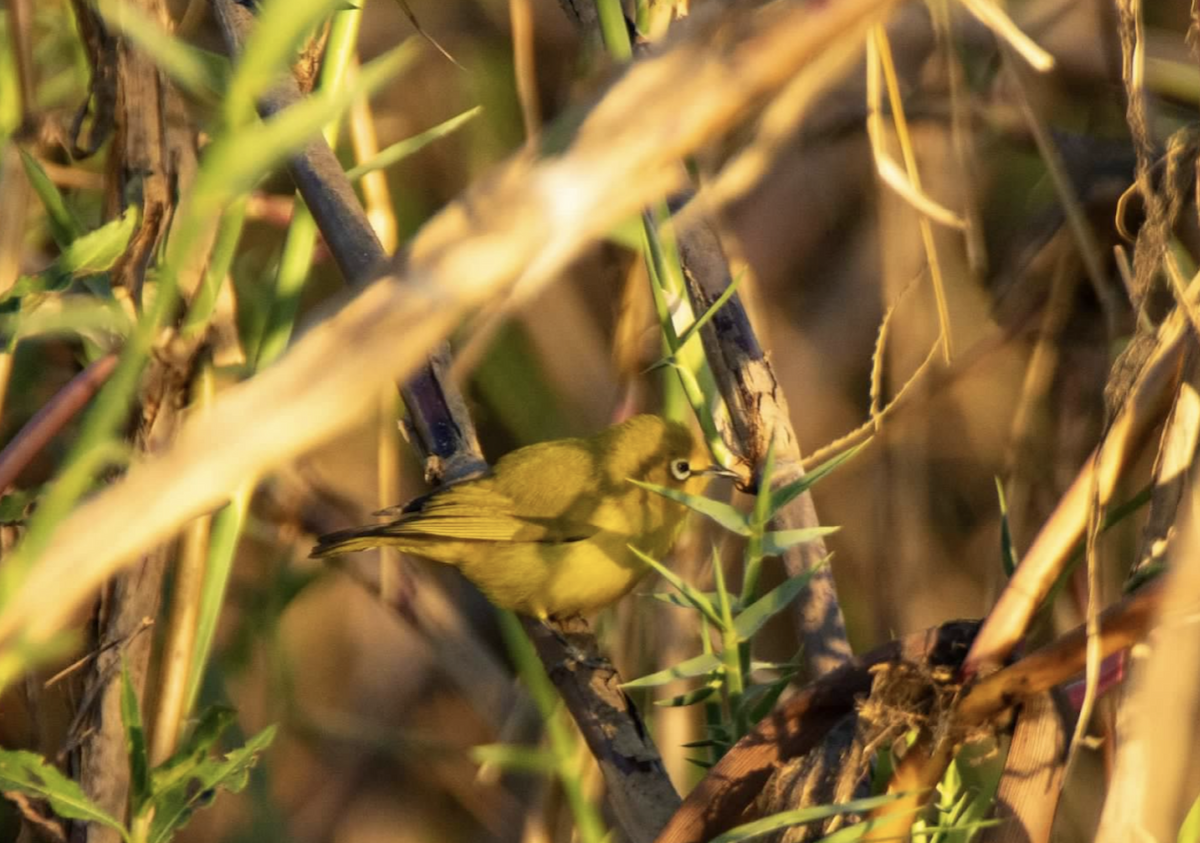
x: 547, y: 531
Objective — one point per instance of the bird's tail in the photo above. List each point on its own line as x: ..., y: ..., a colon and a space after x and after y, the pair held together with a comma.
x: 348, y: 541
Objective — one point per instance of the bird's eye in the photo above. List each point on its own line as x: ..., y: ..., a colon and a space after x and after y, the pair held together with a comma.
x: 680, y: 469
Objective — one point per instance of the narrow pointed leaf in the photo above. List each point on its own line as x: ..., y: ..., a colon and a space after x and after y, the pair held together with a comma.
x: 696, y: 695
x: 801, y: 816
x: 64, y: 225
x: 700, y: 665
x: 28, y: 773
x: 784, y: 495
x: 724, y: 514
x: 693, y: 596
x: 707, y: 743
x: 410, y: 146
x: 724, y: 604
x: 673, y: 598
x: 513, y: 757
x: 772, y: 603
x: 1008, y: 553
x: 135, y: 741
x: 712, y: 311
x: 778, y: 541
x: 760, y: 704
x: 98, y: 250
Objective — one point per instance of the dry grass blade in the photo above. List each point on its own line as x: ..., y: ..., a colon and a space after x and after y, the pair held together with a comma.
x: 990, y: 15
x: 1052, y: 547
x: 908, y: 185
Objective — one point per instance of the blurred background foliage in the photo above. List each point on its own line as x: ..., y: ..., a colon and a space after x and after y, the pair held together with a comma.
x: 377, y: 724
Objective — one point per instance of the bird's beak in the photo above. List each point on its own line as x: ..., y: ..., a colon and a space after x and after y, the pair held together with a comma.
x: 719, y: 471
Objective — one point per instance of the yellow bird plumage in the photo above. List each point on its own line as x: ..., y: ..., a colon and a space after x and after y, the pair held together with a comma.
x: 547, y: 531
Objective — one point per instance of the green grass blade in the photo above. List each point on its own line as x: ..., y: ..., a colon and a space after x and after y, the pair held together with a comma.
x: 270, y: 48
x: 236, y: 162
x: 410, y: 146
x: 64, y: 225
x: 786, y: 819
x: 1008, y: 553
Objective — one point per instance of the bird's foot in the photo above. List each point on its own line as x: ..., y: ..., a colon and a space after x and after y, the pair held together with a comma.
x: 560, y: 629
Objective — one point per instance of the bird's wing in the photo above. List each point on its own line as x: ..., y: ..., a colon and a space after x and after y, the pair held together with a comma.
x: 478, y: 512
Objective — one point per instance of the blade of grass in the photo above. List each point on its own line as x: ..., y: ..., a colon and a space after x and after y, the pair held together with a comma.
x: 400, y: 150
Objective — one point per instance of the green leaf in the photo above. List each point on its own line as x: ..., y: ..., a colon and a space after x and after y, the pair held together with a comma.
x: 135, y: 742
x: 760, y: 699
x: 724, y: 514
x: 776, y: 542
x: 762, y: 501
x: 672, y: 598
x: 27, y: 773
x: 700, y: 665
x: 82, y: 316
x: 280, y: 28
x: 1189, y: 832
x: 707, y: 743
x: 692, y: 697
x: 14, y: 505
x: 410, y: 146
x: 97, y: 251
x: 785, y: 819
x: 784, y: 495
x: 235, y: 162
x: 193, y: 750
x: 724, y: 599
x: 628, y: 233
x: 712, y: 310
x: 772, y: 603
x: 64, y: 226
x: 174, y: 806
x: 1008, y: 553
x: 512, y: 757
x: 702, y: 763
x: 693, y: 596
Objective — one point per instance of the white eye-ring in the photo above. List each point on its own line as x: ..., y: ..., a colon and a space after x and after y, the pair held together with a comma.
x: 680, y: 469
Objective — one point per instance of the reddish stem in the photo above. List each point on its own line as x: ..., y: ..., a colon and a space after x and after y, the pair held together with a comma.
x: 50, y: 419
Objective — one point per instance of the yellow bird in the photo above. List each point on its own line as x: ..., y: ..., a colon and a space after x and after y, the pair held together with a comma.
x: 547, y: 531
